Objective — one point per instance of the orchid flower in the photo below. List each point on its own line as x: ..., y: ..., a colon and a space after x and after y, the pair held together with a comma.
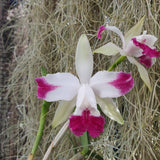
x: 133, y: 46
x: 85, y: 93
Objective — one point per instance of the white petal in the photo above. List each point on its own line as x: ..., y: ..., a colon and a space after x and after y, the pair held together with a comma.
x: 86, y: 96
x: 86, y: 99
x: 59, y: 86
x: 116, y: 30
x: 147, y: 39
x: 132, y: 50
x: 142, y: 71
x: 111, y: 84
x: 108, y: 49
x: 81, y: 96
x: 64, y: 110
x: 134, y: 31
x: 110, y: 109
x: 84, y: 59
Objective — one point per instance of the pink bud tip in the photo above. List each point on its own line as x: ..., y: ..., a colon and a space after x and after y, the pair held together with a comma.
x: 101, y: 28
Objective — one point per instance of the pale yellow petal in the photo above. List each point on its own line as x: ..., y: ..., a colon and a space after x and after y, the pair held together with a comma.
x: 134, y: 31
x: 108, y: 49
x: 110, y: 109
x: 142, y: 71
x: 63, y: 112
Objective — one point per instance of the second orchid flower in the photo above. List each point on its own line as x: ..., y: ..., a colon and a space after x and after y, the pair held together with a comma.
x: 133, y: 46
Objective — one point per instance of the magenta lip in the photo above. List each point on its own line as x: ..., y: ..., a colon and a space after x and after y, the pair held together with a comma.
x: 86, y: 122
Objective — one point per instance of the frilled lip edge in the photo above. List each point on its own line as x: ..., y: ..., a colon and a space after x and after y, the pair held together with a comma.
x: 146, y: 49
x: 79, y: 124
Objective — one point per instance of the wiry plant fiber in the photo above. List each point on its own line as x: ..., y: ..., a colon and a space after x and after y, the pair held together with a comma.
x: 47, y: 33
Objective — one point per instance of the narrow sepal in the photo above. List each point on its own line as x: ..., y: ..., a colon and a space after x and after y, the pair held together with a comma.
x: 142, y: 71
x: 134, y: 31
x: 110, y: 109
x: 108, y: 49
x: 64, y: 110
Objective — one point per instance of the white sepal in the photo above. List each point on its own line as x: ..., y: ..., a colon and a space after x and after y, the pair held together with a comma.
x: 84, y: 59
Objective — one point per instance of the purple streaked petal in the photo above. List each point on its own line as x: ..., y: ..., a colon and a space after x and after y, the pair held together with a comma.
x: 146, y: 60
x: 86, y: 122
x: 101, y: 28
x: 124, y: 82
x: 146, y: 49
x: 111, y: 84
x: 147, y: 39
x: 44, y: 87
x: 58, y: 86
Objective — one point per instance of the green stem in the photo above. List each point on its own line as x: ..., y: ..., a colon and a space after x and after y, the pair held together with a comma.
x: 117, y: 62
x: 84, y: 142
x: 44, y: 110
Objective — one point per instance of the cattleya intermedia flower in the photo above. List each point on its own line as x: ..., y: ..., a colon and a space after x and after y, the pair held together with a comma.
x: 84, y: 93
x: 133, y: 45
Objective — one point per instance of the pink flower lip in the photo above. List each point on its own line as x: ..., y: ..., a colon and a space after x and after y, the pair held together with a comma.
x: 86, y: 122
x: 43, y: 87
x: 146, y: 49
x: 146, y: 60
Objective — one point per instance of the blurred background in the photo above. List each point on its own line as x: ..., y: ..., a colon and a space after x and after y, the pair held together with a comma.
x: 44, y: 33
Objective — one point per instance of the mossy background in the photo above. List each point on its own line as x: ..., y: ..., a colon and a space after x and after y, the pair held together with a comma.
x: 46, y: 33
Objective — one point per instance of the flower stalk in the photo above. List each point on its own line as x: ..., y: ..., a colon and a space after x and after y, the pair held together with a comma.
x: 117, y: 62
x: 44, y: 110
x: 84, y: 142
